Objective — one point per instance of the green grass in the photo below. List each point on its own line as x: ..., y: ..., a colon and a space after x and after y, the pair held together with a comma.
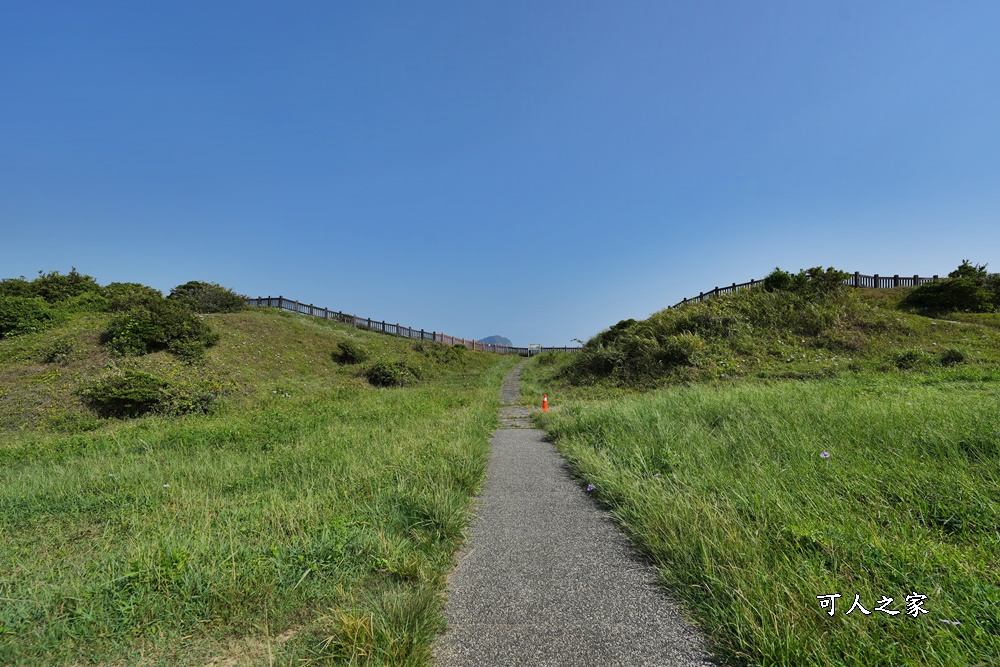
x: 308, y: 519
x: 758, y: 334
x: 719, y: 479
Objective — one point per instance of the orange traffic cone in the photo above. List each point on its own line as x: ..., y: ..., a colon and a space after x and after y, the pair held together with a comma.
x: 545, y: 402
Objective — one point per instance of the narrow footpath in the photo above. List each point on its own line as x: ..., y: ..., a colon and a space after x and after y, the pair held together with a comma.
x: 546, y: 578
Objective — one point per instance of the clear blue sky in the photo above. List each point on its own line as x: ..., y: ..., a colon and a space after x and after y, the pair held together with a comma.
x: 538, y: 170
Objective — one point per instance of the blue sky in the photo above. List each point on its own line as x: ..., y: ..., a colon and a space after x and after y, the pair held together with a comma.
x: 538, y: 170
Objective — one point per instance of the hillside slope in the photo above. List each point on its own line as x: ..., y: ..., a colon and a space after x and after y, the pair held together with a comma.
x: 769, y: 451
x: 307, y: 517
x: 760, y: 334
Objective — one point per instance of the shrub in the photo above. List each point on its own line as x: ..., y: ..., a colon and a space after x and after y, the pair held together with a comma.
x: 57, y: 352
x: 16, y: 287
x: 55, y: 287
x: 350, y: 352
x: 910, y: 358
x: 612, y: 334
x: 160, y: 325
x: 204, y: 297
x: 960, y: 293
x: 88, y: 302
x: 966, y: 269
x: 597, y: 360
x: 124, y: 296
x: 811, y: 283
x: 950, y: 357
x: 20, y: 315
x: 129, y: 394
x: 455, y: 354
x: 133, y: 393
x: 389, y: 373
x: 777, y: 280
x: 680, y: 349
x: 547, y: 358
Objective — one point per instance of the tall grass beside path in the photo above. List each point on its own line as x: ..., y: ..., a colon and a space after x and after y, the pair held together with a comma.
x: 754, y: 499
x: 312, y: 525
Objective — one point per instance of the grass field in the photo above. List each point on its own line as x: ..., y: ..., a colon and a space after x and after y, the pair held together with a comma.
x: 753, y: 494
x: 308, y: 519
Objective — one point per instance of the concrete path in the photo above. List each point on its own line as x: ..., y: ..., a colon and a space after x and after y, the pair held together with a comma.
x: 547, y: 578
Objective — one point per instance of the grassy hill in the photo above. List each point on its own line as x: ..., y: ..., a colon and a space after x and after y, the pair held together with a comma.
x: 271, y: 506
x: 766, y: 448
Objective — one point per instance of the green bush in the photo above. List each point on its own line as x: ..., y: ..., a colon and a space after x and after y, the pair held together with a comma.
x: 204, y: 297
x: 350, y: 352
x: 811, y: 283
x: 680, y: 349
x: 778, y: 280
x: 960, y: 293
x: 133, y: 393
x: 20, y: 315
x: 129, y: 394
x: 55, y: 287
x: 547, y: 358
x: 125, y: 296
x: 967, y: 269
x: 389, y: 373
x: 160, y: 325
x: 88, y: 302
x: 57, y: 352
x: 911, y: 359
x: 16, y: 287
x: 951, y: 357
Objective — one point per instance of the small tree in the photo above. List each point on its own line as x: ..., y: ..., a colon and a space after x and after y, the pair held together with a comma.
x: 204, y: 297
x: 160, y: 325
x: 55, y: 287
x: 966, y: 269
x: 969, y: 287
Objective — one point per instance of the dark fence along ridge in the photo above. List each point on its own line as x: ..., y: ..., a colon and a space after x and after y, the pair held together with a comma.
x: 395, y: 329
x: 856, y: 280
x: 381, y: 326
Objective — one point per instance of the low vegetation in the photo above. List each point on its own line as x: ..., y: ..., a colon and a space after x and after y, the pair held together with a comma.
x: 969, y: 288
x: 773, y: 446
x: 202, y: 297
x: 257, y: 504
x: 803, y: 326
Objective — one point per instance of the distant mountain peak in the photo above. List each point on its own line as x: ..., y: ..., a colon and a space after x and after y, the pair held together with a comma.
x: 496, y: 340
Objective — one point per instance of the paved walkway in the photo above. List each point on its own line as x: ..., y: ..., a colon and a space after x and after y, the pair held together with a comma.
x: 547, y: 578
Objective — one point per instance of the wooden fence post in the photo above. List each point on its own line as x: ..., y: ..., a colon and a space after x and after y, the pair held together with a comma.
x: 877, y: 283
x: 916, y: 280
x: 895, y: 280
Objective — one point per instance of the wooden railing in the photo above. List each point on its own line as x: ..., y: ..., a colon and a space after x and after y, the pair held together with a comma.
x: 381, y: 326
x: 856, y: 280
